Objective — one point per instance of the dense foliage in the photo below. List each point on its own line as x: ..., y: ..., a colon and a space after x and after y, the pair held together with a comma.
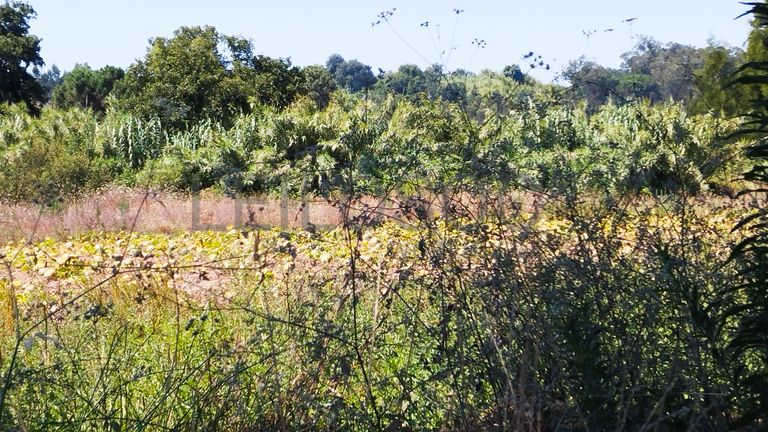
x: 18, y: 52
x: 575, y: 316
x: 537, y: 144
x: 189, y: 78
x: 202, y: 110
x: 86, y: 88
x: 749, y: 347
x: 511, y: 255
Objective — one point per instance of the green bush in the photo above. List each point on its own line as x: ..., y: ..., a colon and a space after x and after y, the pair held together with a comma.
x: 49, y: 158
x: 41, y: 172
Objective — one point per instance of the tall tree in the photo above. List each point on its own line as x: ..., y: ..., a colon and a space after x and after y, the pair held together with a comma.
x: 48, y: 80
x: 592, y: 82
x: 671, y: 66
x: 178, y: 80
x: 200, y: 73
x: 407, y: 80
x: 712, y: 94
x: 333, y: 63
x: 318, y: 84
x: 18, y: 52
x: 514, y: 73
x: 350, y: 74
x: 86, y: 88
x: 756, y: 53
x: 265, y: 80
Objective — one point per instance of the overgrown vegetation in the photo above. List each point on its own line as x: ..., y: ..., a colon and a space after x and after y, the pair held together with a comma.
x: 512, y: 255
x: 398, y: 143
x: 578, y: 317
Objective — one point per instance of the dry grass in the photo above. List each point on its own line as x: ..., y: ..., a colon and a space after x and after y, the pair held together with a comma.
x: 139, y: 211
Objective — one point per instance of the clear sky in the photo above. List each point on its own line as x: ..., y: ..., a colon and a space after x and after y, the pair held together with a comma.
x: 109, y: 32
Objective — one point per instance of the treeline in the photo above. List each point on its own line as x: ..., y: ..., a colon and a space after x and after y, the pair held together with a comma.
x: 201, y: 109
x: 200, y: 74
x: 230, y: 80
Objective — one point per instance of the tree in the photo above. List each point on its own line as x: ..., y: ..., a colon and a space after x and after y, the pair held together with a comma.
x: 318, y: 84
x: 712, y: 94
x: 637, y: 86
x: 592, y: 82
x: 434, y: 79
x: 333, y: 63
x: 454, y: 91
x: 514, y: 73
x: 48, y: 80
x: 651, y: 71
x: 18, y: 51
x: 756, y: 53
x: 178, y: 80
x: 200, y: 73
x: 352, y: 75
x: 671, y: 67
x: 269, y: 81
x: 86, y: 88
x: 408, y: 80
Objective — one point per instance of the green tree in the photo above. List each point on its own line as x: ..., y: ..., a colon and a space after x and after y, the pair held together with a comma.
x: 201, y: 74
x: 590, y: 81
x: 650, y: 71
x: 408, y: 80
x: 755, y: 54
x: 712, y: 94
x: 333, y: 63
x: 265, y: 80
x: 350, y: 74
x: 514, y: 73
x: 179, y: 79
x: 318, y: 84
x: 671, y: 66
x: 435, y: 78
x: 18, y: 51
x: 48, y: 80
x: 637, y: 86
x: 86, y: 88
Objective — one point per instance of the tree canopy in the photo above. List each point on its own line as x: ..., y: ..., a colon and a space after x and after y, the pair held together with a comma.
x: 18, y: 52
x: 86, y: 88
x: 200, y: 73
x: 318, y: 84
x: 662, y: 72
x: 350, y: 74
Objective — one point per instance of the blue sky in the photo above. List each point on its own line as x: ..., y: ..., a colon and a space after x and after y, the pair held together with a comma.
x: 102, y: 32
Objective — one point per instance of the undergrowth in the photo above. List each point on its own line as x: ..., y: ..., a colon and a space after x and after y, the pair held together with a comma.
x: 558, y: 316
